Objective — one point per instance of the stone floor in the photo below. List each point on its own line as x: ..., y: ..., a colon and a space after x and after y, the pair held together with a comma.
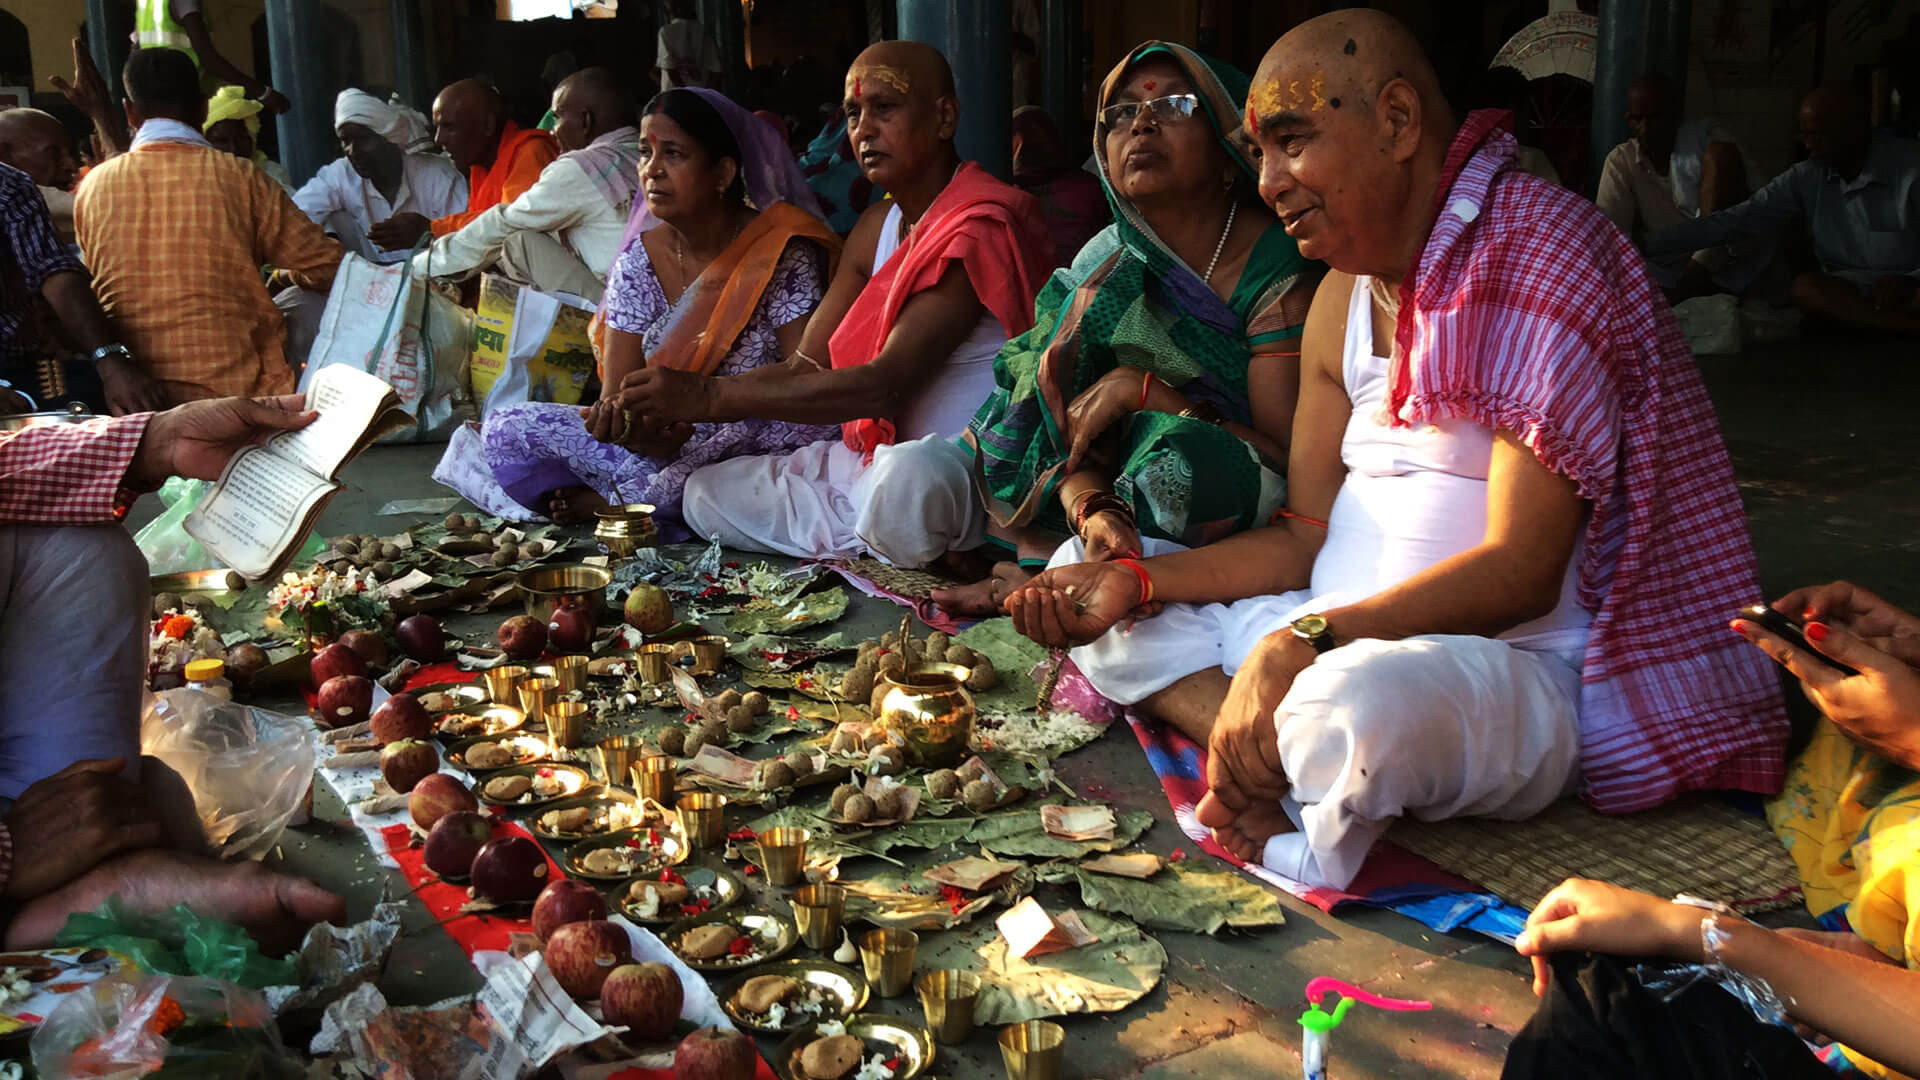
x: 1822, y: 438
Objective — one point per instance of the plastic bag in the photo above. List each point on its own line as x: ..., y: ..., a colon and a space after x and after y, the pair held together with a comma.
x: 166, y: 1027
x: 177, y: 942
x: 384, y: 321
x: 1711, y: 323
x: 168, y: 548
x: 249, y: 769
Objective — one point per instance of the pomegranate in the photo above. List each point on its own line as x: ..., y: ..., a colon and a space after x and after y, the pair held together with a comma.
x: 333, y: 661
x: 436, y: 796
x: 648, y: 609
x: 421, y: 638
x: 571, y: 628
x: 369, y: 646
x: 406, y: 762
x: 581, y: 955
x: 455, y: 839
x: 644, y: 998
x: 401, y: 717
x: 566, y: 901
x: 244, y: 662
x: 509, y: 869
x: 714, y: 1054
x: 344, y: 700
x: 523, y: 637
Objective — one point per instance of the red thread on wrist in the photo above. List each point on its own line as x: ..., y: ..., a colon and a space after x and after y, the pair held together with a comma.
x: 1146, y: 579
x: 1146, y: 381
x: 1283, y: 512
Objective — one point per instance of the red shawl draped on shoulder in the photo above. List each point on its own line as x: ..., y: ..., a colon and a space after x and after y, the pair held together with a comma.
x: 997, y: 233
x: 1528, y: 311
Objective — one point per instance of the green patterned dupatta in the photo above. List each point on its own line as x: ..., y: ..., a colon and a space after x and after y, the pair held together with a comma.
x: 1127, y: 299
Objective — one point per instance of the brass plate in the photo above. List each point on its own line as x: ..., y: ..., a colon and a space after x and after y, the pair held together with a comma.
x: 608, y: 798
x: 528, y: 749
x: 729, y: 890
x: 576, y: 779
x: 846, y: 991
x: 672, y: 850
x: 882, y: 1034
x: 745, y: 920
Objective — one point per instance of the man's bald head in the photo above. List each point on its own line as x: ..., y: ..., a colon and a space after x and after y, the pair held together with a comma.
x: 1835, y: 128
x: 1353, y: 128
x: 468, y: 117
x: 587, y: 104
x: 902, y: 114
x: 37, y: 144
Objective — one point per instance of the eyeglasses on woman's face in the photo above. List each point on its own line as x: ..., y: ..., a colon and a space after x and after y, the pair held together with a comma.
x: 1171, y: 109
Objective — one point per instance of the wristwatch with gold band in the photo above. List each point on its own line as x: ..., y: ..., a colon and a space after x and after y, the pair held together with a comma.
x: 1313, y: 630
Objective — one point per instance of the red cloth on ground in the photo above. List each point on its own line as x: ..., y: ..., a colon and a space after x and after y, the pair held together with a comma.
x: 1528, y: 311
x: 999, y: 236
x: 472, y: 933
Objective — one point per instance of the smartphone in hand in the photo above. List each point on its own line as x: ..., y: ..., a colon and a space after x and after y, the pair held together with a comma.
x: 1787, y: 628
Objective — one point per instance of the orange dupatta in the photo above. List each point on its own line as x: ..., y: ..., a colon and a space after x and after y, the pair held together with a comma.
x: 718, y: 305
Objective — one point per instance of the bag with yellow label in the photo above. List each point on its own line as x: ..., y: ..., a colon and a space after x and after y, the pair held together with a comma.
x: 528, y: 346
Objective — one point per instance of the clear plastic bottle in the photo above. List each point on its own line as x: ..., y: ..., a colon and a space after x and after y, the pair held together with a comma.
x: 209, y: 677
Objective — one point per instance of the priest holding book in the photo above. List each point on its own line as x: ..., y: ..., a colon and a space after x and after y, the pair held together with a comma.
x: 74, y: 606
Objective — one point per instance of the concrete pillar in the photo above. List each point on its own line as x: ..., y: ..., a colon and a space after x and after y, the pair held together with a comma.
x: 306, y: 130
x: 109, y: 26
x: 975, y: 36
x: 410, y: 75
x: 1671, y: 23
x: 1060, y: 63
x: 1618, y: 58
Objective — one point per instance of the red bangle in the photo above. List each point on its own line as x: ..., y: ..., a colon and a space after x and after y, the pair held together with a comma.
x: 1146, y: 381
x: 1140, y: 572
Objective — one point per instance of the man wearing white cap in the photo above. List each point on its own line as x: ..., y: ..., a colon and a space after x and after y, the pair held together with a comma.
x: 384, y: 171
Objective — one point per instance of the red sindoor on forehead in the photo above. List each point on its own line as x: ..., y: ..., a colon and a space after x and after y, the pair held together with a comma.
x: 1150, y: 84
x: 856, y: 86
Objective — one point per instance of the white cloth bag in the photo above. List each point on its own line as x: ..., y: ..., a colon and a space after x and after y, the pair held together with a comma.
x: 386, y: 322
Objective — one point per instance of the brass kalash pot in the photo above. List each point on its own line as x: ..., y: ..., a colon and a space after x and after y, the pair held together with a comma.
x: 623, y: 530
x: 930, y: 711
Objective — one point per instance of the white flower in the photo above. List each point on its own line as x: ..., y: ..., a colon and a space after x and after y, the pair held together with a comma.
x: 874, y: 1069
x: 777, y: 1015
x: 830, y: 1028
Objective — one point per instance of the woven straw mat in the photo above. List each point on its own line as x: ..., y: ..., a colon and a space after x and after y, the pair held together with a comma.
x: 1697, y: 845
x: 910, y: 583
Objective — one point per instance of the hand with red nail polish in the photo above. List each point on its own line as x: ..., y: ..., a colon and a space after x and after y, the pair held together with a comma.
x: 1878, y: 708
x: 1844, y: 604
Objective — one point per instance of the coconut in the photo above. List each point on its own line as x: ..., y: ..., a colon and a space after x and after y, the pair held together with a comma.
x: 979, y: 796
x: 943, y: 784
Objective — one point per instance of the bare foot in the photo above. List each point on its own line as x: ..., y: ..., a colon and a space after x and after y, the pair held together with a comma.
x: 983, y: 598
x: 572, y: 505
x: 277, y: 908
x: 1247, y: 833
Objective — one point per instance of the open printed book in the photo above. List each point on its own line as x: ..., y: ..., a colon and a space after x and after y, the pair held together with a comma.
x: 268, y: 498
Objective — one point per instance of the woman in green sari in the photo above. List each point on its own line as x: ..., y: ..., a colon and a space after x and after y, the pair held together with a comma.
x: 1168, y: 352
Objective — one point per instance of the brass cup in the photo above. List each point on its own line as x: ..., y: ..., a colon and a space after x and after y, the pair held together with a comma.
x: 567, y: 723
x: 1032, y: 1050
x: 887, y: 957
x: 930, y: 710
x: 702, y: 817
x: 622, y: 530
x: 571, y: 673
x: 618, y: 755
x: 503, y: 684
x: 783, y: 854
x: 709, y: 654
x: 536, y: 693
x: 817, y: 910
x: 653, y: 777
x: 948, y: 997
x: 655, y: 662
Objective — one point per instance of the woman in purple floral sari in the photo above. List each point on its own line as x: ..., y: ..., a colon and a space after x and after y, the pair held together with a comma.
x: 725, y: 258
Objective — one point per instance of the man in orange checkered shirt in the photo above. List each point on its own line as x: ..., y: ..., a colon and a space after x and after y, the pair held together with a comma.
x: 175, y: 233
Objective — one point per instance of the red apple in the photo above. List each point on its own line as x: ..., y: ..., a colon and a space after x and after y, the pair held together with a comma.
x: 344, y: 700
x: 436, y: 796
x: 334, y: 661
x: 406, y: 762
x: 421, y: 638
x: 714, y: 1054
x: 644, y: 998
x: 401, y: 717
x: 246, y: 661
x: 509, y: 869
x: 581, y: 955
x: 369, y: 646
x: 571, y: 628
x: 454, y: 841
x: 523, y: 637
x: 566, y: 901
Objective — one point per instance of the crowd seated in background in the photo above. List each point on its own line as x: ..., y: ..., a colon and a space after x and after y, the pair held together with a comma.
x: 899, y: 353
x: 1858, y: 195
x: 387, y: 167
x: 233, y: 126
x: 1673, y: 171
x: 724, y: 260
x: 1154, y: 395
x: 38, y: 144
x: 1070, y: 197
x: 1505, y: 88
x: 501, y: 159
x: 686, y: 54
x: 1850, y: 817
x: 562, y: 233
x: 175, y: 233
x: 1475, y: 573
x: 82, y: 816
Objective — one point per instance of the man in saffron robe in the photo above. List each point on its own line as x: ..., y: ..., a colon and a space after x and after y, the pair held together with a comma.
x: 501, y: 159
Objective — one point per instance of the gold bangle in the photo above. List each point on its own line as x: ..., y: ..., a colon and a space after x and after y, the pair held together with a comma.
x: 802, y: 354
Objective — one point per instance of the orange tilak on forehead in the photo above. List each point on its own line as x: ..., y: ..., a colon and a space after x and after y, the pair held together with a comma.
x: 891, y: 76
